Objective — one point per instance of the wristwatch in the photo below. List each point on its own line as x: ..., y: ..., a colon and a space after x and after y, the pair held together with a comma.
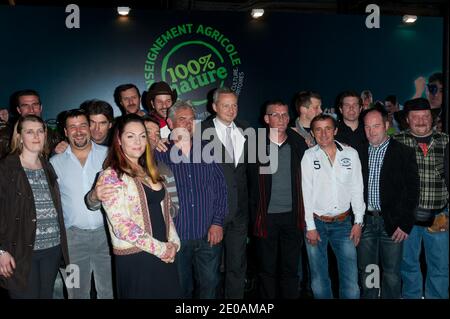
x: 2, y: 252
x: 360, y: 224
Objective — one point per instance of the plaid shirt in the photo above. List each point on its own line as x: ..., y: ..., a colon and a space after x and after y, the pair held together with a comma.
x: 433, y: 192
x: 376, y: 158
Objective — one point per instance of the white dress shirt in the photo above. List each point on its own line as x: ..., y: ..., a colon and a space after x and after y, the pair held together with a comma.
x: 75, y: 181
x: 236, y: 137
x: 164, y: 131
x: 329, y: 190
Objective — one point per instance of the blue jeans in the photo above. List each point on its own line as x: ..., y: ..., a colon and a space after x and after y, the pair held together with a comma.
x: 41, y: 279
x: 377, y: 248
x: 198, y: 260
x: 436, y: 254
x: 338, y: 234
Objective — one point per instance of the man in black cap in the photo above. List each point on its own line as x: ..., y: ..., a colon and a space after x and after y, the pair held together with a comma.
x: 160, y: 98
x: 431, y: 225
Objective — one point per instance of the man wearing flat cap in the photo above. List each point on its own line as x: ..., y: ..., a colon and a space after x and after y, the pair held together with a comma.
x: 160, y: 98
x: 431, y: 224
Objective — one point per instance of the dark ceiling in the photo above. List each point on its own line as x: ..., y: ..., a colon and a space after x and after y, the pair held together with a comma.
x: 423, y: 8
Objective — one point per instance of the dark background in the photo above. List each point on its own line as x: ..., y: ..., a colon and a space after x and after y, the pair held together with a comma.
x: 281, y: 54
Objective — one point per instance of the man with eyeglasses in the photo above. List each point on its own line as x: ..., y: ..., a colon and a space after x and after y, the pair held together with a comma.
x: 350, y: 128
x: 276, y: 206
x: 29, y: 102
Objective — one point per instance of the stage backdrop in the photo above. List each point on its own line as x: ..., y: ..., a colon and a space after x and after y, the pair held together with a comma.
x: 196, y: 52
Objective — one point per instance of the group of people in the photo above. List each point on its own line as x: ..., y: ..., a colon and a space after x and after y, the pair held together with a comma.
x: 136, y: 199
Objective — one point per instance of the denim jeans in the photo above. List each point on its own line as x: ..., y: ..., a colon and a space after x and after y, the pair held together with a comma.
x: 44, y: 267
x: 89, y: 249
x: 436, y: 255
x: 338, y: 234
x: 198, y: 260
x: 377, y: 248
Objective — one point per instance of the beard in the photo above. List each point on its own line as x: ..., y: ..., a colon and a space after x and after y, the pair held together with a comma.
x: 162, y: 113
x: 82, y: 143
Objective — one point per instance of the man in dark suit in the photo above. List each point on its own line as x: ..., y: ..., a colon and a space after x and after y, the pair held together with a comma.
x: 224, y: 130
x: 391, y: 193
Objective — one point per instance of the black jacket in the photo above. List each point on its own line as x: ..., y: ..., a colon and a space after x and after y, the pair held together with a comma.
x: 399, y: 185
x: 352, y: 138
x: 235, y: 177
x: 18, y: 218
x: 261, y: 187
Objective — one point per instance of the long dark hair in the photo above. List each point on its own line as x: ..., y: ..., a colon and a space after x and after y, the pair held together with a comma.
x: 117, y: 159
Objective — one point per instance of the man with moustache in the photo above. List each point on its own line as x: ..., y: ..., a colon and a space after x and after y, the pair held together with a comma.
x: 77, y: 168
x: 431, y: 225
x: 160, y: 97
x: 128, y: 98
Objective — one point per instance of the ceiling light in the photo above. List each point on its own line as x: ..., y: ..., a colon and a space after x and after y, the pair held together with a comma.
x: 123, y: 11
x: 257, y: 13
x: 409, y: 19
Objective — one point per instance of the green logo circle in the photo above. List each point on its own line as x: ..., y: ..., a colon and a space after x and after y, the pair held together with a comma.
x: 201, y: 71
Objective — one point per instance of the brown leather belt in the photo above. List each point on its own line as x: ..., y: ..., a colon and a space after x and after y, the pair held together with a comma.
x: 330, y: 219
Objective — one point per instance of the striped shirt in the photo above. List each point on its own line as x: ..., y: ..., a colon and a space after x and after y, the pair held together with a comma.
x: 202, y: 193
x: 433, y: 191
x: 376, y: 158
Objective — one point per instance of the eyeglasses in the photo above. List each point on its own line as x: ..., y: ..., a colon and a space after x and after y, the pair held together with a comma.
x: 434, y: 89
x: 279, y: 115
x: 35, y: 106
